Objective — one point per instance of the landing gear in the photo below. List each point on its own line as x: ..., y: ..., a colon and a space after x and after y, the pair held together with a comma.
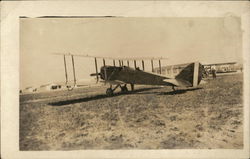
x: 110, y: 91
x: 173, y: 88
x: 124, y: 88
x: 132, y: 86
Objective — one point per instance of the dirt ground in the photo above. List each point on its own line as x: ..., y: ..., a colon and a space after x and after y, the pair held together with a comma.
x: 209, y: 117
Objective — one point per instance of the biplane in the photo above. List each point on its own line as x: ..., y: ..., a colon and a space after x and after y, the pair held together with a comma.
x: 122, y: 75
x: 227, y: 67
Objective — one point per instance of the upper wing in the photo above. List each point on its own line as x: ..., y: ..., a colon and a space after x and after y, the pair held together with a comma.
x: 113, y: 58
x: 135, y: 60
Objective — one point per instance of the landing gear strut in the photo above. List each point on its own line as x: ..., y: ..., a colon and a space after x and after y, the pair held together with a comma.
x: 132, y: 86
x: 109, y: 92
x: 173, y: 88
x: 124, y: 88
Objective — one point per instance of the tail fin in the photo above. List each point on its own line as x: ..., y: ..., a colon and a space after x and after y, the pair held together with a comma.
x: 191, y: 75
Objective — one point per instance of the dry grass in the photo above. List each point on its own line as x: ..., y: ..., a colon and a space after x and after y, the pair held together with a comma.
x: 150, y: 118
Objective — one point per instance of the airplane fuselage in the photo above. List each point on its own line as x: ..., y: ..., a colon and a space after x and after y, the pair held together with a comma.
x: 129, y: 75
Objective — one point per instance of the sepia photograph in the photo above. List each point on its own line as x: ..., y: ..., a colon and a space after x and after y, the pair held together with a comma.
x: 151, y: 79
x: 130, y: 83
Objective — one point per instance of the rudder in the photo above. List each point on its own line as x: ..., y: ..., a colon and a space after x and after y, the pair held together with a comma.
x: 191, y: 74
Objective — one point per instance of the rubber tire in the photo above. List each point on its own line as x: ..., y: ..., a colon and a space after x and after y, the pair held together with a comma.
x: 124, y: 89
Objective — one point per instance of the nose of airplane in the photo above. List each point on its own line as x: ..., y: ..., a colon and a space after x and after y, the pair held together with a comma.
x: 103, y: 72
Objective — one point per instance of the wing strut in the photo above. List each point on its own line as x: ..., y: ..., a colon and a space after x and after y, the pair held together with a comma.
x: 103, y: 62
x: 74, y: 73
x: 128, y: 63
x: 142, y: 62
x: 65, y: 68
x: 160, y: 65
x: 135, y: 63
x: 96, y: 70
x: 120, y: 63
x: 114, y: 62
x: 152, y: 64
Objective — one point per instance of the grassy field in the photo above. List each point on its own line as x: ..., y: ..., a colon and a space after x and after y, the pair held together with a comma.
x: 209, y: 117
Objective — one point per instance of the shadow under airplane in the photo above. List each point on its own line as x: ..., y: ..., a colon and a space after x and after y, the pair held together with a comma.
x: 96, y: 97
x: 180, y: 91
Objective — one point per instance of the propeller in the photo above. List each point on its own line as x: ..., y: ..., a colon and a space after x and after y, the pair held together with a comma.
x: 96, y: 70
x: 100, y: 75
x: 94, y: 74
x: 97, y: 76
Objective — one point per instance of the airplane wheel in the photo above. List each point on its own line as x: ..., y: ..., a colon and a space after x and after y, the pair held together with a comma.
x: 109, y: 92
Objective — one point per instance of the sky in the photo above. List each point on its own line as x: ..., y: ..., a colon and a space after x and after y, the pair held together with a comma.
x: 181, y: 40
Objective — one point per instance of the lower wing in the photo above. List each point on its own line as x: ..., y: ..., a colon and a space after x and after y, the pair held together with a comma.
x: 113, y: 82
